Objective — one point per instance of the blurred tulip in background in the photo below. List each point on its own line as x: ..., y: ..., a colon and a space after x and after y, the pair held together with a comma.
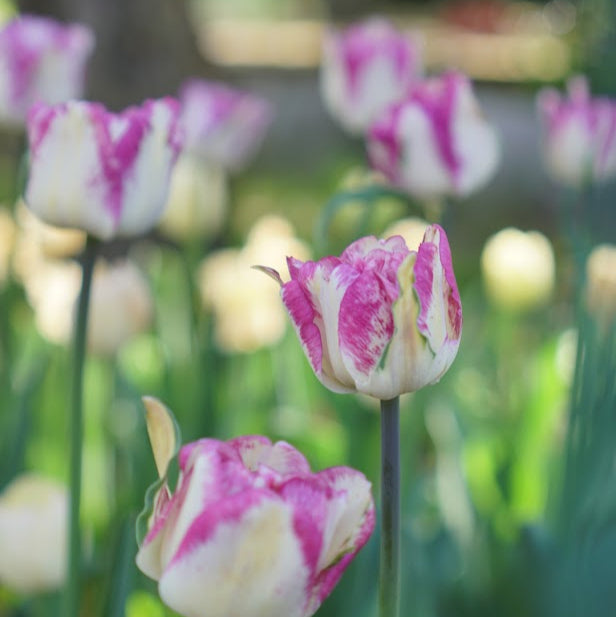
x: 364, y: 69
x: 246, y: 306
x: 518, y: 269
x: 435, y: 142
x: 33, y: 524
x: 105, y: 173
x: 601, y: 283
x: 121, y: 305
x: 41, y: 60
x: 223, y: 125
x: 579, y: 134
x: 197, y: 200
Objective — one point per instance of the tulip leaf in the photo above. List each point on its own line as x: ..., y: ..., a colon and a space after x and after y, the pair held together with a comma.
x: 163, y: 431
x: 165, y: 438
x: 143, y: 519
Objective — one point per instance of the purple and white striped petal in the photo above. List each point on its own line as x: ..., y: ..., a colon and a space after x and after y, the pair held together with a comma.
x: 365, y: 68
x: 223, y: 125
x: 579, y: 134
x: 434, y: 142
x: 41, y: 60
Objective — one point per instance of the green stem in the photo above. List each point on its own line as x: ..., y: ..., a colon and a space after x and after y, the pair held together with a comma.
x: 76, y: 432
x: 389, y: 585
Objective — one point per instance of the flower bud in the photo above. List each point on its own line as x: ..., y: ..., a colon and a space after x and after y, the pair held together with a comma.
x: 380, y: 319
x: 41, y: 60
x: 518, y: 269
x: 364, y: 69
x: 33, y: 523
x: 435, y: 142
x: 105, y: 173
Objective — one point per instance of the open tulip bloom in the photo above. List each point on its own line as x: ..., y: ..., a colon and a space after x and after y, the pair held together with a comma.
x: 435, y: 143
x: 102, y: 172
x: 251, y: 531
x: 380, y: 319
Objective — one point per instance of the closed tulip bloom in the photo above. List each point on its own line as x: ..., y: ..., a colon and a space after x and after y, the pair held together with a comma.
x: 223, y: 125
x: 518, y: 269
x: 579, y: 134
x: 435, y: 142
x: 601, y: 283
x: 41, y: 60
x: 251, y: 531
x: 33, y: 523
x: 105, y: 173
x: 197, y: 201
x: 380, y: 319
x: 364, y: 69
x: 121, y: 305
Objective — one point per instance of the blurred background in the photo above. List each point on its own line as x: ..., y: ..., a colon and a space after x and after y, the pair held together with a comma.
x: 507, y: 511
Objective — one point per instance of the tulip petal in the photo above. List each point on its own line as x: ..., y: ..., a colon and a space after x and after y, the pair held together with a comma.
x: 440, y: 317
x: 303, y: 315
x: 350, y: 522
x: 163, y: 432
x: 281, y: 457
x: 244, y: 558
x: 365, y: 324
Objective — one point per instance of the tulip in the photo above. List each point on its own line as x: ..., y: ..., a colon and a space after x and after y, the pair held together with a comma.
x: 579, y: 134
x: 435, y: 143
x: 105, y: 173
x: 197, y: 202
x: 33, y: 513
x: 365, y: 68
x: 41, y: 60
x: 250, y: 530
x: 518, y: 269
x: 247, y: 310
x: 380, y: 319
x: 224, y: 126
x: 121, y: 305
x: 601, y: 283
x: 7, y: 241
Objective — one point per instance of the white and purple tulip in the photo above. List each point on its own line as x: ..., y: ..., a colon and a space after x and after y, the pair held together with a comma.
x: 105, y: 173
x: 364, y: 69
x: 579, y: 134
x: 251, y: 531
x: 435, y: 142
x: 41, y: 60
x: 223, y: 125
x: 380, y: 319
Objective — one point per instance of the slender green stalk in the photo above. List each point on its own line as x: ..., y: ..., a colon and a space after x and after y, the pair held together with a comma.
x: 76, y: 432
x: 389, y: 576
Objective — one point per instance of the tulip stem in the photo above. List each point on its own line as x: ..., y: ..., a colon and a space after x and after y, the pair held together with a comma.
x: 76, y: 431
x: 389, y: 583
